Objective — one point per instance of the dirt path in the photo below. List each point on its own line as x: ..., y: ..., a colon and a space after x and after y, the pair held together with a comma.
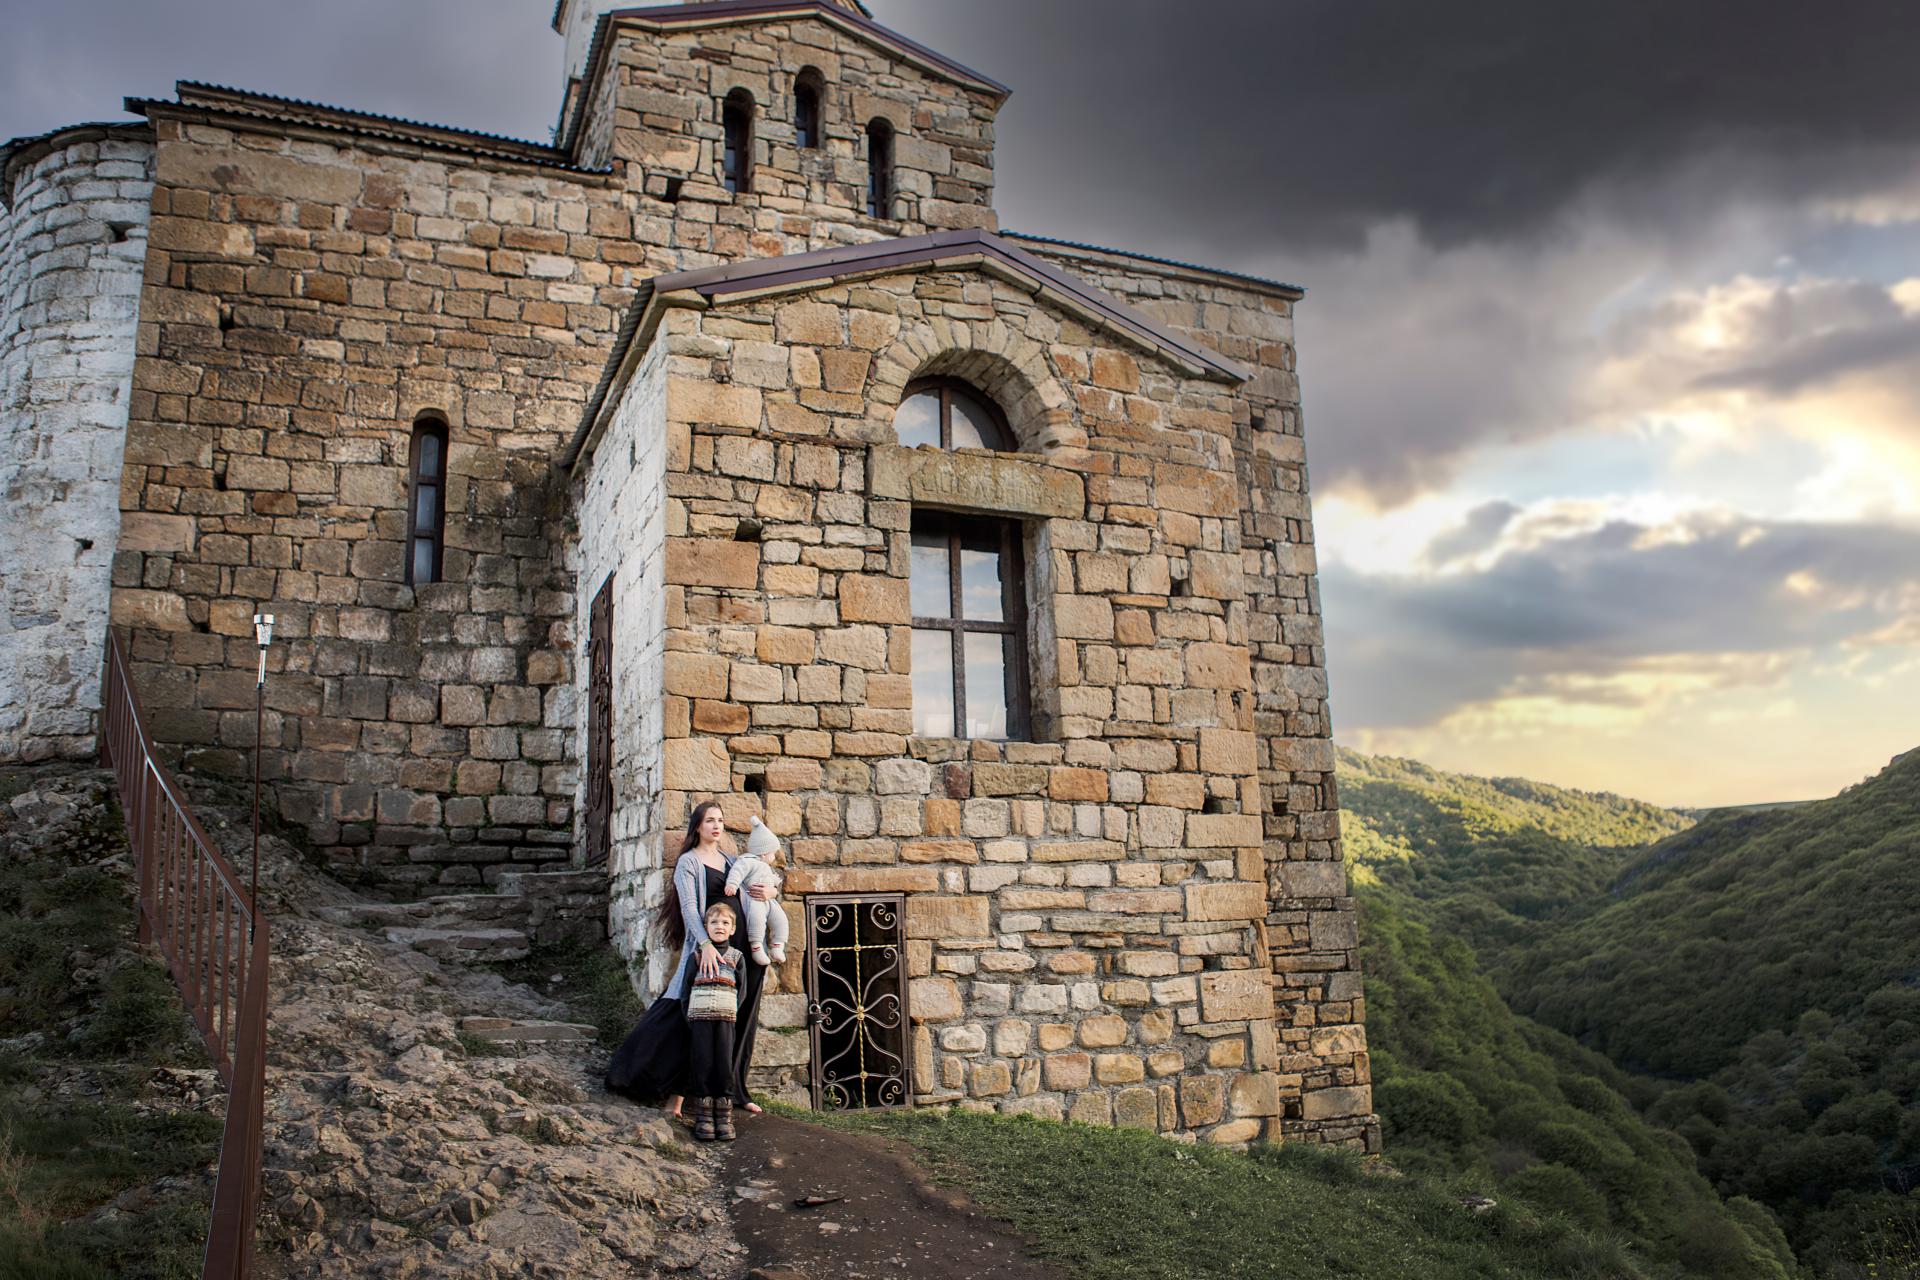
x: 893, y: 1222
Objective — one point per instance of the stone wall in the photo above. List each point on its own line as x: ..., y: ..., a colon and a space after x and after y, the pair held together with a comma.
x: 1312, y: 930
x: 621, y: 505
x: 73, y: 236
x: 1085, y: 913
x: 306, y: 300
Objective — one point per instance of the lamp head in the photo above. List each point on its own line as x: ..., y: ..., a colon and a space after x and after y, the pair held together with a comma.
x: 263, y: 628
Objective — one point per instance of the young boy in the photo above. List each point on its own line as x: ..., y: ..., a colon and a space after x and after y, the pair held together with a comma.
x: 712, y: 1005
x: 753, y: 867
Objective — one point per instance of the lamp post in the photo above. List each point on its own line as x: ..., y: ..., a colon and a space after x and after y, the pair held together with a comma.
x: 263, y: 634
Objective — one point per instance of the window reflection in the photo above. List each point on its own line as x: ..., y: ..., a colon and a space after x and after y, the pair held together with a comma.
x: 918, y: 421
x: 932, y: 684
x: 986, y: 685
x: 980, y: 599
x: 929, y: 583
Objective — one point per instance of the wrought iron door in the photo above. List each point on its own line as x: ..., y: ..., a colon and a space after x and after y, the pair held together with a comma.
x: 857, y: 1001
x: 600, y: 726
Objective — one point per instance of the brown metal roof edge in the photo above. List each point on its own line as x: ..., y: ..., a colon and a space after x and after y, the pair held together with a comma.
x: 721, y: 12
x: 195, y: 93
x: 17, y: 152
x: 216, y: 101
x: 822, y: 264
x: 630, y: 324
x: 1263, y: 284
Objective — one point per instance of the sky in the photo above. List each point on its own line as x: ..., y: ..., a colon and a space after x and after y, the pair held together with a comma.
x: 1610, y: 353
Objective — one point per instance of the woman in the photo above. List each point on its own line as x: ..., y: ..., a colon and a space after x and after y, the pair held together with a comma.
x: 655, y: 1060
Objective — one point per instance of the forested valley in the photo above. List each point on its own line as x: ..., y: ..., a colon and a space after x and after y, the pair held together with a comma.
x: 1700, y: 1032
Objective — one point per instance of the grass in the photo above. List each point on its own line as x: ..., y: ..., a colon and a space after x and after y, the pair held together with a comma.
x: 109, y: 1186
x: 593, y: 985
x: 1117, y: 1204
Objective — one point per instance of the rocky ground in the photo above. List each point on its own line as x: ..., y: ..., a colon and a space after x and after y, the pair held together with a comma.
x: 428, y: 1119
x: 397, y: 1146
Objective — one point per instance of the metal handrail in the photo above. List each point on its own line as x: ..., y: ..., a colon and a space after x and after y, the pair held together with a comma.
x: 196, y: 910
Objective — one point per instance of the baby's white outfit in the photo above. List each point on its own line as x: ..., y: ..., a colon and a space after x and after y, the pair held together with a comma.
x: 766, y: 921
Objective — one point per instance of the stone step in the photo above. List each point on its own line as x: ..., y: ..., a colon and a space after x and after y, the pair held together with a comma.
x: 508, y: 1031
x: 468, y: 945
x: 449, y: 910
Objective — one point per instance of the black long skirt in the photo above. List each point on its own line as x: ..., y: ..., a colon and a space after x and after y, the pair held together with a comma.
x: 656, y: 1058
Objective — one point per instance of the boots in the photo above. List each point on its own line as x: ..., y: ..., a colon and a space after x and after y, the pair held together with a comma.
x: 703, y: 1117
x: 723, y: 1119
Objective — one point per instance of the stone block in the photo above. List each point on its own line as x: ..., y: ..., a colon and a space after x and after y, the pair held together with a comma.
x: 1118, y: 1068
x: 1103, y: 1031
x: 1072, y: 784
x: 1202, y: 1100
x: 870, y: 598
x: 721, y: 404
x: 933, y: 999
x: 1236, y: 995
x: 784, y: 645
x: 1218, y: 666
x: 1336, y: 1103
x: 1255, y: 1094
x: 713, y: 562
x: 151, y: 610
x: 1333, y: 930
x: 1335, y: 1042
x: 947, y: 916
x: 1313, y: 880
x: 696, y: 675
x: 1136, y: 1109
x: 696, y: 764
x: 1223, y: 830
x: 1068, y: 1070
x: 1001, y: 484
x: 1226, y: 900
x: 145, y: 531
x: 989, y: 1079
x: 1228, y: 751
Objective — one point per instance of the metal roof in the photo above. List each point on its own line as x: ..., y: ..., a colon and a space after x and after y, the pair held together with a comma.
x: 1201, y: 269
x: 194, y: 95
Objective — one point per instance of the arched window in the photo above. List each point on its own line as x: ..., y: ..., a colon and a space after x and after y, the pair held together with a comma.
x: 949, y: 414
x: 427, y: 500
x: 736, y: 119
x: 808, y: 89
x: 879, y: 169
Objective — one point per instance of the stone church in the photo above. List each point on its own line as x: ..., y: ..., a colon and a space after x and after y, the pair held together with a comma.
x: 724, y: 446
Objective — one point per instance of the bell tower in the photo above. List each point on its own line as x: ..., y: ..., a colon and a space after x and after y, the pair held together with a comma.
x: 575, y: 20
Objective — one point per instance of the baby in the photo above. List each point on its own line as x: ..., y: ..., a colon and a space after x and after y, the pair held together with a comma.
x: 753, y: 867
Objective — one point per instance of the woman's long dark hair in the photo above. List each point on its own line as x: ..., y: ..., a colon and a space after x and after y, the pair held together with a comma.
x: 667, y: 921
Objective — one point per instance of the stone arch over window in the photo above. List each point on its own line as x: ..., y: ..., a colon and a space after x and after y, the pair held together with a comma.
x: 427, y: 499
x: 809, y: 93
x: 1009, y: 371
x: 880, y: 167
x: 736, y: 120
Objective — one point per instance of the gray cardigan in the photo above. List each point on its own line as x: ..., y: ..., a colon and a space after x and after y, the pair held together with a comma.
x: 689, y: 877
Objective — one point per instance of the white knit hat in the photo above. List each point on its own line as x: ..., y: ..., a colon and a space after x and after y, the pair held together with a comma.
x: 761, y: 843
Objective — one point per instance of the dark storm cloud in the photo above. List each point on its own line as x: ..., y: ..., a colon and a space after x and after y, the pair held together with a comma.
x: 1407, y: 650
x: 1308, y: 120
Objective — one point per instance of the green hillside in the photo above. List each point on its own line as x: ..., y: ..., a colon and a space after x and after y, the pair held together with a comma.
x: 1765, y: 964
x: 1469, y: 1089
